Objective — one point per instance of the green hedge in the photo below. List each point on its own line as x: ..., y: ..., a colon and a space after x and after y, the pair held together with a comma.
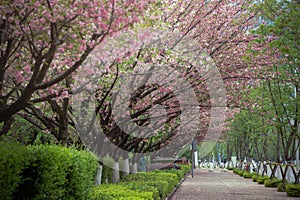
x: 170, y: 179
x: 272, y: 183
x: 293, y: 190
x: 179, y: 173
x: 148, y: 186
x: 281, y: 187
x: 247, y: 175
x: 118, y: 191
x: 51, y: 172
x: 144, y: 185
x: 255, y: 177
x: 185, y: 168
x: 239, y: 172
x: 262, y: 179
x: 14, y: 158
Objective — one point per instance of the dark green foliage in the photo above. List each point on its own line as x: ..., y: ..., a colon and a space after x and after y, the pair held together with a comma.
x: 238, y: 171
x: 47, y: 173
x: 52, y: 172
x: 229, y: 168
x: 144, y: 185
x: 163, y: 181
x: 255, y: 177
x: 247, y: 175
x: 262, y: 179
x: 23, y: 132
x: 171, y: 180
x: 281, y: 187
x: 118, y: 191
x: 107, y: 174
x: 185, y: 168
x: 179, y: 173
x: 81, y: 174
x: 293, y: 190
x: 14, y: 158
x: 272, y: 183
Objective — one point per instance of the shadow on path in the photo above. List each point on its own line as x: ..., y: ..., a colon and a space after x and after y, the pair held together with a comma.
x: 224, y: 185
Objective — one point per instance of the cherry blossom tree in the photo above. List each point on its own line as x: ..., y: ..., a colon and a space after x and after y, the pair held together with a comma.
x: 43, y: 43
x: 222, y: 30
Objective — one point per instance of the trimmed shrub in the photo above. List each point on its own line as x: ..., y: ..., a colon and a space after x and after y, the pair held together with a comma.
x: 157, y: 184
x: 47, y: 173
x: 14, y: 158
x: 162, y: 180
x: 145, y: 187
x: 52, y: 172
x: 117, y: 191
x: 238, y: 171
x: 247, y: 175
x: 185, y: 168
x: 171, y: 179
x: 154, y: 176
x: 255, y: 177
x: 162, y: 187
x: 281, y: 187
x: 272, y: 183
x: 81, y: 174
x: 179, y: 173
x: 262, y: 179
x: 229, y: 168
x: 293, y: 190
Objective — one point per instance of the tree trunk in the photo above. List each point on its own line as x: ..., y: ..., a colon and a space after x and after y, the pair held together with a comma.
x: 6, y: 126
x: 98, y: 176
x: 125, y: 166
x: 278, y: 147
x: 116, y: 172
x: 133, y: 168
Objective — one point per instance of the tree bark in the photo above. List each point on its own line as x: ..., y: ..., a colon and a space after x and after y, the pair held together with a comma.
x: 98, y: 176
x: 116, y: 172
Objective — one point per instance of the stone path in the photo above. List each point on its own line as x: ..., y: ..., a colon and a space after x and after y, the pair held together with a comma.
x: 219, y: 185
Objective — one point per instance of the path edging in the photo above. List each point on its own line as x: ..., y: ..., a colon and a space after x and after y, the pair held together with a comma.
x: 176, y: 188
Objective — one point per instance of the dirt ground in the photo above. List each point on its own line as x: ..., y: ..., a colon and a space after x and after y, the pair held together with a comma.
x: 219, y: 185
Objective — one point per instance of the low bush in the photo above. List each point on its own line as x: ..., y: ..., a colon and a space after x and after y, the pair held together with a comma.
x: 14, y: 158
x: 255, y: 177
x: 81, y: 174
x: 262, y: 179
x: 186, y: 168
x: 272, y: 183
x: 37, y: 172
x: 157, y: 184
x: 179, y: 173
x: 239, y: 171
x: 154, y: 187
x: 118, y: 191
x: 229, y: 168
x: 293, y: 190
x: 171, y: 180
x: 281, y: 187
x: 162, y: 187
x: 247, y: 175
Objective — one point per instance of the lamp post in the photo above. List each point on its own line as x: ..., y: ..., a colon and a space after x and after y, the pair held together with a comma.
x: 193, y: 156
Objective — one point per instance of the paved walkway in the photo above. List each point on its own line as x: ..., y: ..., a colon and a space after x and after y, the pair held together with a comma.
x: 219, y: 185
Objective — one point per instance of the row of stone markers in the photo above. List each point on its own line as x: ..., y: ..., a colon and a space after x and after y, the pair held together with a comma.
x: 273, y: 170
